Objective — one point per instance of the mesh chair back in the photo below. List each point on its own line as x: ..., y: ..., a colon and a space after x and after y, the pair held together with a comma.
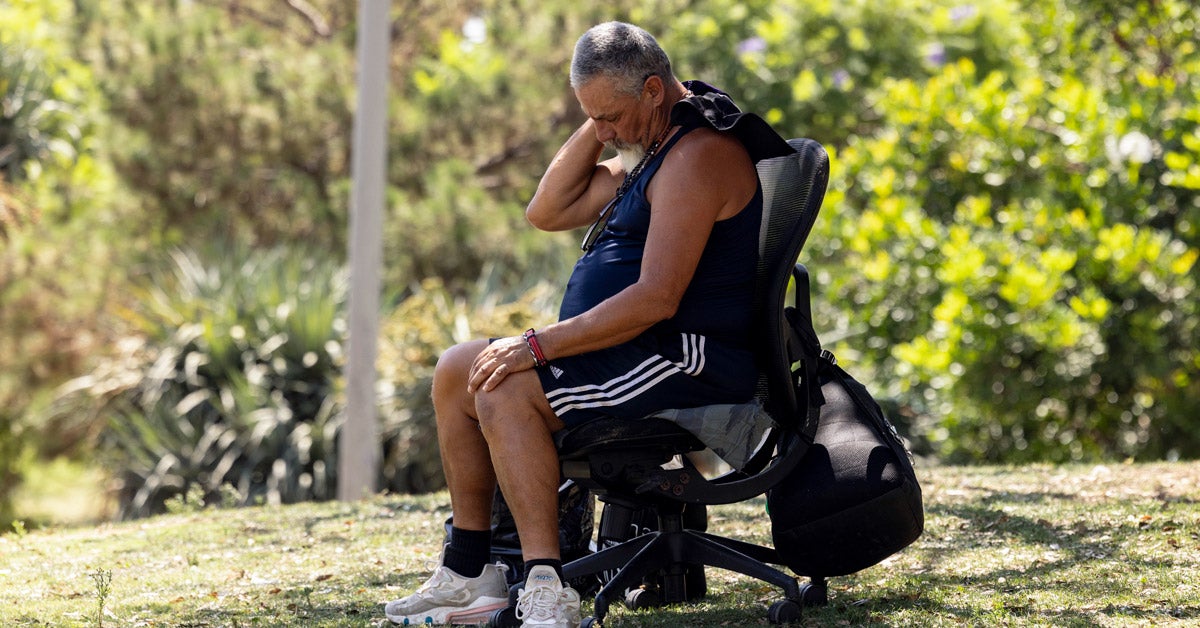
x: 793, y: 189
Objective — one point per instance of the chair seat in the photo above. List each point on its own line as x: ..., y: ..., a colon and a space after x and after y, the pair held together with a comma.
x: 610, y: 434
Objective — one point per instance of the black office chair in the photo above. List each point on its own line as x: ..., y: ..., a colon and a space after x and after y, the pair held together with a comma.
x: 623, y: 461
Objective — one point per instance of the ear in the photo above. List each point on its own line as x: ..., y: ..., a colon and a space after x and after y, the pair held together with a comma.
x: 653, y: 89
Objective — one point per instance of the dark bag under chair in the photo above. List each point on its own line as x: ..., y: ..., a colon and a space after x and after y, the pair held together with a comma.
x: 854, y: 499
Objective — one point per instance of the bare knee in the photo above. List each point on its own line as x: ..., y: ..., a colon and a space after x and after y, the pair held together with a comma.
x: 491, y: 409
x: 450, y: 378
x: 456, y: 361
x: 514, y: 404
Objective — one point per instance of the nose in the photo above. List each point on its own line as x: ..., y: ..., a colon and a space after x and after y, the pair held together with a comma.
x: 604, y: 131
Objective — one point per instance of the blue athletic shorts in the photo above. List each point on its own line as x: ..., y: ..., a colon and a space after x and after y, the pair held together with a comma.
x: 645, y: 375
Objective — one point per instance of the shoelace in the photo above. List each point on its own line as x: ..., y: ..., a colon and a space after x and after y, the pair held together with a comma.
x: 538, y: 603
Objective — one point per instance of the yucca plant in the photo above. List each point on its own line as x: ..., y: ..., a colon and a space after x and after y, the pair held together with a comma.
x: 231, y: 382
x: 232, y: 385
x: 185, y: 448
x: 31, y: 119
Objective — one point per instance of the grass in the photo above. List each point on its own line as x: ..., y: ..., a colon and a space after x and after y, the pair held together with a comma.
x: 1114, y: 545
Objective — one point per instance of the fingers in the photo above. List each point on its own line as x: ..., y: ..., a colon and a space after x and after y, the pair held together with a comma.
x: 497, y: 361
x: 478, y: 376
x: 487, y: 372
x: 497, y: 376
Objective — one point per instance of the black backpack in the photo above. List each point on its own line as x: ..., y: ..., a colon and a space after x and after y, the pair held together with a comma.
x: 854, y: 499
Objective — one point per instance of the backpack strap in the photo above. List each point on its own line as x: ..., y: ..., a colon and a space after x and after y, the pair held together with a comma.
x: 804, y: 348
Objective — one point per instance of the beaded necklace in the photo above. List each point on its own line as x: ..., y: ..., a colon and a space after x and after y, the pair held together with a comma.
x: 593, y: 232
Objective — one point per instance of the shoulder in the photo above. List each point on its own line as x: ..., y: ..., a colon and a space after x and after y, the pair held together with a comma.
x: 706, y: 169
x: 704, y: 152
x: 713, y: 141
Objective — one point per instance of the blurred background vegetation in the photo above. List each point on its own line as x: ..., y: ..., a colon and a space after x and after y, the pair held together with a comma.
x: 1007, y: 252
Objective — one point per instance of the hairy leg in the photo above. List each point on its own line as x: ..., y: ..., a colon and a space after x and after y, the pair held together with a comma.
x: 517, y: 423
x: 466, y: 460
x: 500, y: 435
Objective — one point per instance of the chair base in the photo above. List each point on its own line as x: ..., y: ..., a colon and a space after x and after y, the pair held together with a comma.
x: 675, y: 555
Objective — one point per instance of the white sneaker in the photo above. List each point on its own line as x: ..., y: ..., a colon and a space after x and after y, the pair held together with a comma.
x: 544, y: 601
x: 450, y: 599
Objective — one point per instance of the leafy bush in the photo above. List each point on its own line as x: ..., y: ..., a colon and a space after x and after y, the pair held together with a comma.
x: 56, y: 241
x: 487, y: 237
x: 229, y: 121
x: 232, y: 381
x: 233, y: 386
x: 815, y: 68
x: 1011, y: 230
x: 413, y: 337
x: 1027, y: 243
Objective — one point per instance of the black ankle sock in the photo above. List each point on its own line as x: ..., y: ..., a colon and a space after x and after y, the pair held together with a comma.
x: 468, y: 551
x: 552, y: 562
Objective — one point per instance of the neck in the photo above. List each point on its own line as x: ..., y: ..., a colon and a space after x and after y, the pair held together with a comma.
x: 673, y: 92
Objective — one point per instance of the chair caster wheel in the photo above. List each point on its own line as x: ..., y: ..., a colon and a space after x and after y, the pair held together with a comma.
x: 504, y: 618
x: 784, y: 612
x: 641, y: 598
x: 812, y: 594
x: 589, y: 622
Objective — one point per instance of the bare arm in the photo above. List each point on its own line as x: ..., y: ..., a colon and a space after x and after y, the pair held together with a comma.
x: 687, y: 196
x: 575, y: 187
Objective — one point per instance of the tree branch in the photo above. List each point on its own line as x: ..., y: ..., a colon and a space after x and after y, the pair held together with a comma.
x: 319, y: 25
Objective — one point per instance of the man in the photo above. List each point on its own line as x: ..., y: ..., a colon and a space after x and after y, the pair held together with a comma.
x: 656, y: 315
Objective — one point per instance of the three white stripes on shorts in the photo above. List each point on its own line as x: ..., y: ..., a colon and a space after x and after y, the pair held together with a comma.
x: 624, y: 387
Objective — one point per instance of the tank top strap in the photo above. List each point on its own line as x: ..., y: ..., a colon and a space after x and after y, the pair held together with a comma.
x: 656, y: 161
x: 683, y: 130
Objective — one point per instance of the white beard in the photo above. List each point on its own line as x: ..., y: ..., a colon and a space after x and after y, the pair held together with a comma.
x: 629, y: 154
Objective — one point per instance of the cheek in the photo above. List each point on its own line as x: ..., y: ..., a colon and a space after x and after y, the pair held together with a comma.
x: 627, y: 131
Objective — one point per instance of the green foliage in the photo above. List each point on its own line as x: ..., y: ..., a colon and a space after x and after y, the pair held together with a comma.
x: 24, y: 94
x: 102, y: 578
x: 1028, y: 248
x: 230, y: 392
x: 56, y: 247
x: 485, y: 83
x: 815, y: 68
x: 232, y: 381
x: 413, y: 337
x: 40, y: 88
x: 231, y: 125
x: 487, y: 236
x: 227, y: 123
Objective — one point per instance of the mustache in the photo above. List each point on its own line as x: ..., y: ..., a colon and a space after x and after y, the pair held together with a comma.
x: 621, y: 145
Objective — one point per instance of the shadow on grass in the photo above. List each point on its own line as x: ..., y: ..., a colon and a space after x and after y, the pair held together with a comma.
x: 1081, y: 541
x: 1074, y: 552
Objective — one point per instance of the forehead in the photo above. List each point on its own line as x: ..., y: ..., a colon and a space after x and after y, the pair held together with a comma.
x: 599, y: 98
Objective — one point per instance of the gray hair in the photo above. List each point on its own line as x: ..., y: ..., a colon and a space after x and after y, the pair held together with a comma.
x: 619, y: 51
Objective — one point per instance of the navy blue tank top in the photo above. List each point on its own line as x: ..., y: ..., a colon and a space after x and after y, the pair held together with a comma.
x: 718, y: 302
